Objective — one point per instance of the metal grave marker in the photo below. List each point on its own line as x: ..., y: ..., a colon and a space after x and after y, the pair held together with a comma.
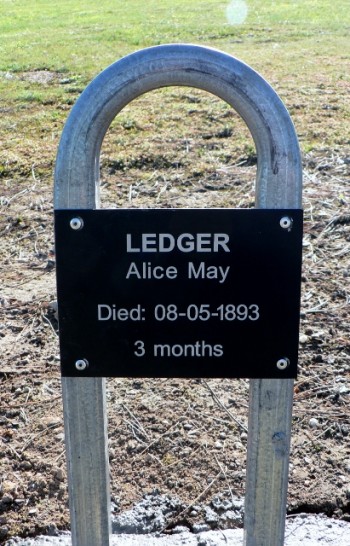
x: 243, y: 306
x: 158, y: 293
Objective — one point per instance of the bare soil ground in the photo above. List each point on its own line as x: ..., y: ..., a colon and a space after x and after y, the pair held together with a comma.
x: 186, y: 438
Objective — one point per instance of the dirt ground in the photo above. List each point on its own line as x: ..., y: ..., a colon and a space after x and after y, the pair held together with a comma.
x: 186, y: 438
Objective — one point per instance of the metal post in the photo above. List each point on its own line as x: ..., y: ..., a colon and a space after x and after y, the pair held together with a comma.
x: 271, y: 400
x: 85, y: 419
x: 86, y: 448
x: 269, y: 431
x: 278, y: 185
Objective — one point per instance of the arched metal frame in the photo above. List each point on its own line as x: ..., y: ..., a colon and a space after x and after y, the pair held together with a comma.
x: 278, y: 185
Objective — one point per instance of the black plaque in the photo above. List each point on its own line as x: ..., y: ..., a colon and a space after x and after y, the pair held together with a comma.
x: 179, y: 293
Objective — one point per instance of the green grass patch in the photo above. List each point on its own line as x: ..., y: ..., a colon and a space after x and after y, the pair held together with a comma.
x: 49, y: 51
x: 85, y: 36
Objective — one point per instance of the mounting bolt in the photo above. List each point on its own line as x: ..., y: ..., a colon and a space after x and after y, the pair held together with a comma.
x: 76, y: 223
x: 81, y: 364
x: 286, y: 222
x: 282, y: 363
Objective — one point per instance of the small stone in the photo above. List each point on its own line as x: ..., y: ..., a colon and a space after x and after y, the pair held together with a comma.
x: 200, y: 528
x: 187, y: 426
x: 314, y: 423
x: 318, y: 359
x: 318, y: 335
x: 53, y: 306
x: 303, y: 338
x: 344, y: 389
x: 210, y: 516
x: 180, y: 529
x: 238, y: 503
x: 7, y: 498
x: 52, y: 422
x: 3, y: 531
x: 233, y: 517
x: 26, y: 465
x: 51, y: 530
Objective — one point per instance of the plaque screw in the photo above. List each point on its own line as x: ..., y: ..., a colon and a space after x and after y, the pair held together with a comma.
x: 283, y: 363
x: 81, y: 364
x: 286, y: 222
x: 76, y: 223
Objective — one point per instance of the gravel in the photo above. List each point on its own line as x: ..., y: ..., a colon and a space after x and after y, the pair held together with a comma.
x: 144, y: 524
x: 301, y: 530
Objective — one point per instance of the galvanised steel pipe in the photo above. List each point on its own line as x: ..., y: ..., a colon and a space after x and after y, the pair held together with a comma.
x: 279, y: 165
x: 278, y: 185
